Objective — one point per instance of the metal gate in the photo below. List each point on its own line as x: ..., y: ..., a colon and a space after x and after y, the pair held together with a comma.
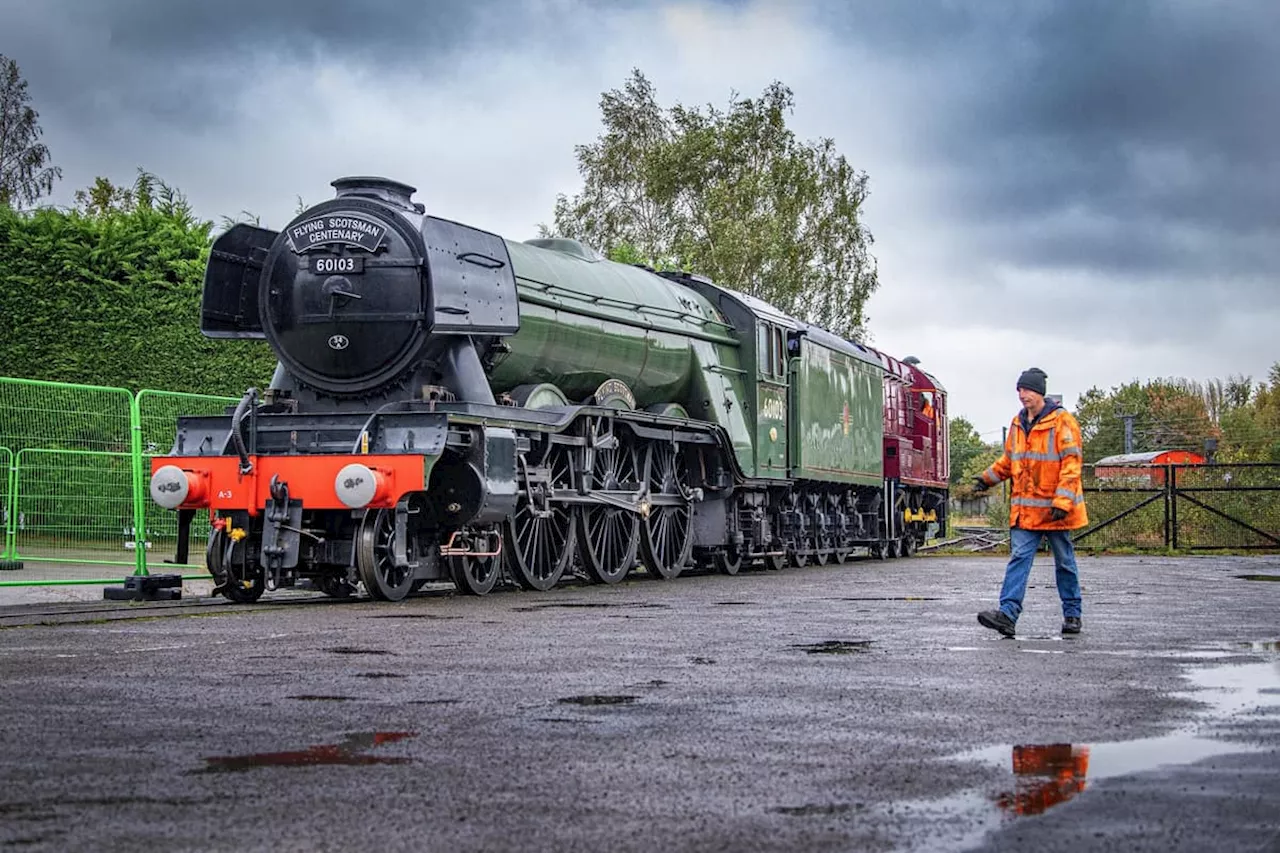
x: 1183, y: 507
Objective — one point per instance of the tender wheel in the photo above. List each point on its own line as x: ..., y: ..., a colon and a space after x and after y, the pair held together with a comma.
x: 727, y: 561
x: 608, y: 537
x: 909, y: 545
x: 799, y: 540
x: 539, y: 535
x: 824, y: 548
x: 880, y: 551
x: 666, y: 535
x: 375, y: 560
x: 775, y: 562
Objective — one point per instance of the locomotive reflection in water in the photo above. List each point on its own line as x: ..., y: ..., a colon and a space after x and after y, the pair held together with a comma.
x: 448, y: 404
x: 1047, y: 774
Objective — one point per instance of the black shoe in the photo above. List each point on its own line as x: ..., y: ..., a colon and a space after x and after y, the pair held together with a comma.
x: 1071, y: 625
x: 996, y: 620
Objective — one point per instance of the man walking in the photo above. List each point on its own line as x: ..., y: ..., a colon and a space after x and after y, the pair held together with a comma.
x: 1042, y: 458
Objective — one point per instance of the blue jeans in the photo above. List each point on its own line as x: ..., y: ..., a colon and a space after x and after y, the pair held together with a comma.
x: 1022, y: 548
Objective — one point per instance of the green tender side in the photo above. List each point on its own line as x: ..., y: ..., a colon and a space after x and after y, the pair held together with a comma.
x: 585, y: 321
x: 837, y: 424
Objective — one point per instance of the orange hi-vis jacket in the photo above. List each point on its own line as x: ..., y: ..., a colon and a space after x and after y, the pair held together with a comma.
x: 1043, y: 463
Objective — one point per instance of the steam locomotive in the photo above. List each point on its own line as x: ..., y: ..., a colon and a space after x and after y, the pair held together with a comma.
x: 451, y: 405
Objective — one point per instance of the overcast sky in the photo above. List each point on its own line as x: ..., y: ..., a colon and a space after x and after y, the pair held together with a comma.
x: 1088, y: 186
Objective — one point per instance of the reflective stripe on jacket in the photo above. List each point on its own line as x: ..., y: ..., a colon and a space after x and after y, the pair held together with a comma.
x: 1043, y: 465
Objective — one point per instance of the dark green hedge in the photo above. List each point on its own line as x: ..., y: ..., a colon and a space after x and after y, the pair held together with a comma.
x: 114, y: 299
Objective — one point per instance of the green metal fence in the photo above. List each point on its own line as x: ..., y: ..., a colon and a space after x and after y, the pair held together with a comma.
x: 74, y: 466
x: 7, y: 473
x: 74, y: 506
x: 158, y: 413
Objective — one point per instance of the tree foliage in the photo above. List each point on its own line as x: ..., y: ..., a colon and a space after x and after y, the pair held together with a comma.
x: 1181, y: 414
x: 109, y: 294
x: 965, y: 444
x: 24, y: 171
x: 731, y: 194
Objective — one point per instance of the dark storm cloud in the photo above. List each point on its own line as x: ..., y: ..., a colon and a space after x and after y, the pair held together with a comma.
x: 1153, y: 119
x: 1149, y: 127
x: 1134, y: 138
x: 184, y: 62
x: 386, y: 30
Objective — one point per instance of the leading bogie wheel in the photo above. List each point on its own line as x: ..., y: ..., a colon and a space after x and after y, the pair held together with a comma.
x: 474, y: 575
x: 334, y: 584
x: 241, y: 584
x: 375, y: 557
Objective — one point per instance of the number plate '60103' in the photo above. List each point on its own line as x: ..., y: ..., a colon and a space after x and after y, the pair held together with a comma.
x: 334, y: 265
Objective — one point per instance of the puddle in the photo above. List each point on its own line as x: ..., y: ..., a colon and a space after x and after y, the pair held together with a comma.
x: 733, y: 603
x: 380, y: 675
x: 577, y: 721
x: 350, y: 650
x: 836, y: 647
x: 652, y: 683
x: 412, y: 616
x: 353, y: 751
x: 1042, y: 776
x: 1259, y: 577
x: 307, y: 697
x: 593, y: 700
x: 886, y: 598
x: 701, y: 661
x: 817, y: 809
x: 590, y: 605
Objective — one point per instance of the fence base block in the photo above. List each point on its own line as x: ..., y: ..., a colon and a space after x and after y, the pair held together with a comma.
x: 147, y: 588
x: 10, y: 565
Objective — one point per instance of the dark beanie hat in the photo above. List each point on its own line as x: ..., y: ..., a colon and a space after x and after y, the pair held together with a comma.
x: 1033, y: 379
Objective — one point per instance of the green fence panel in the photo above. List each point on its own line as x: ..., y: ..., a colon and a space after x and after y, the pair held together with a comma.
x: 6, y: 503
x: 76, y: 420
x: 74, y: 508
x: 57, y: 416
x: 158, y: 413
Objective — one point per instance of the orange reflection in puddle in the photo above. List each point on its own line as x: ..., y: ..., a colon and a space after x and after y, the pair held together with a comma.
x: 350, y: 752
x: 1046, y: 775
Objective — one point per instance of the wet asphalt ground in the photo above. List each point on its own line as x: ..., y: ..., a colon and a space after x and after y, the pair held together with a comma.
x: 841, y: 708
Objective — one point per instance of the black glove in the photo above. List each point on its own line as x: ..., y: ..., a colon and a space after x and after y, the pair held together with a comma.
x: 1057, y: 514
x: 980, y: 485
